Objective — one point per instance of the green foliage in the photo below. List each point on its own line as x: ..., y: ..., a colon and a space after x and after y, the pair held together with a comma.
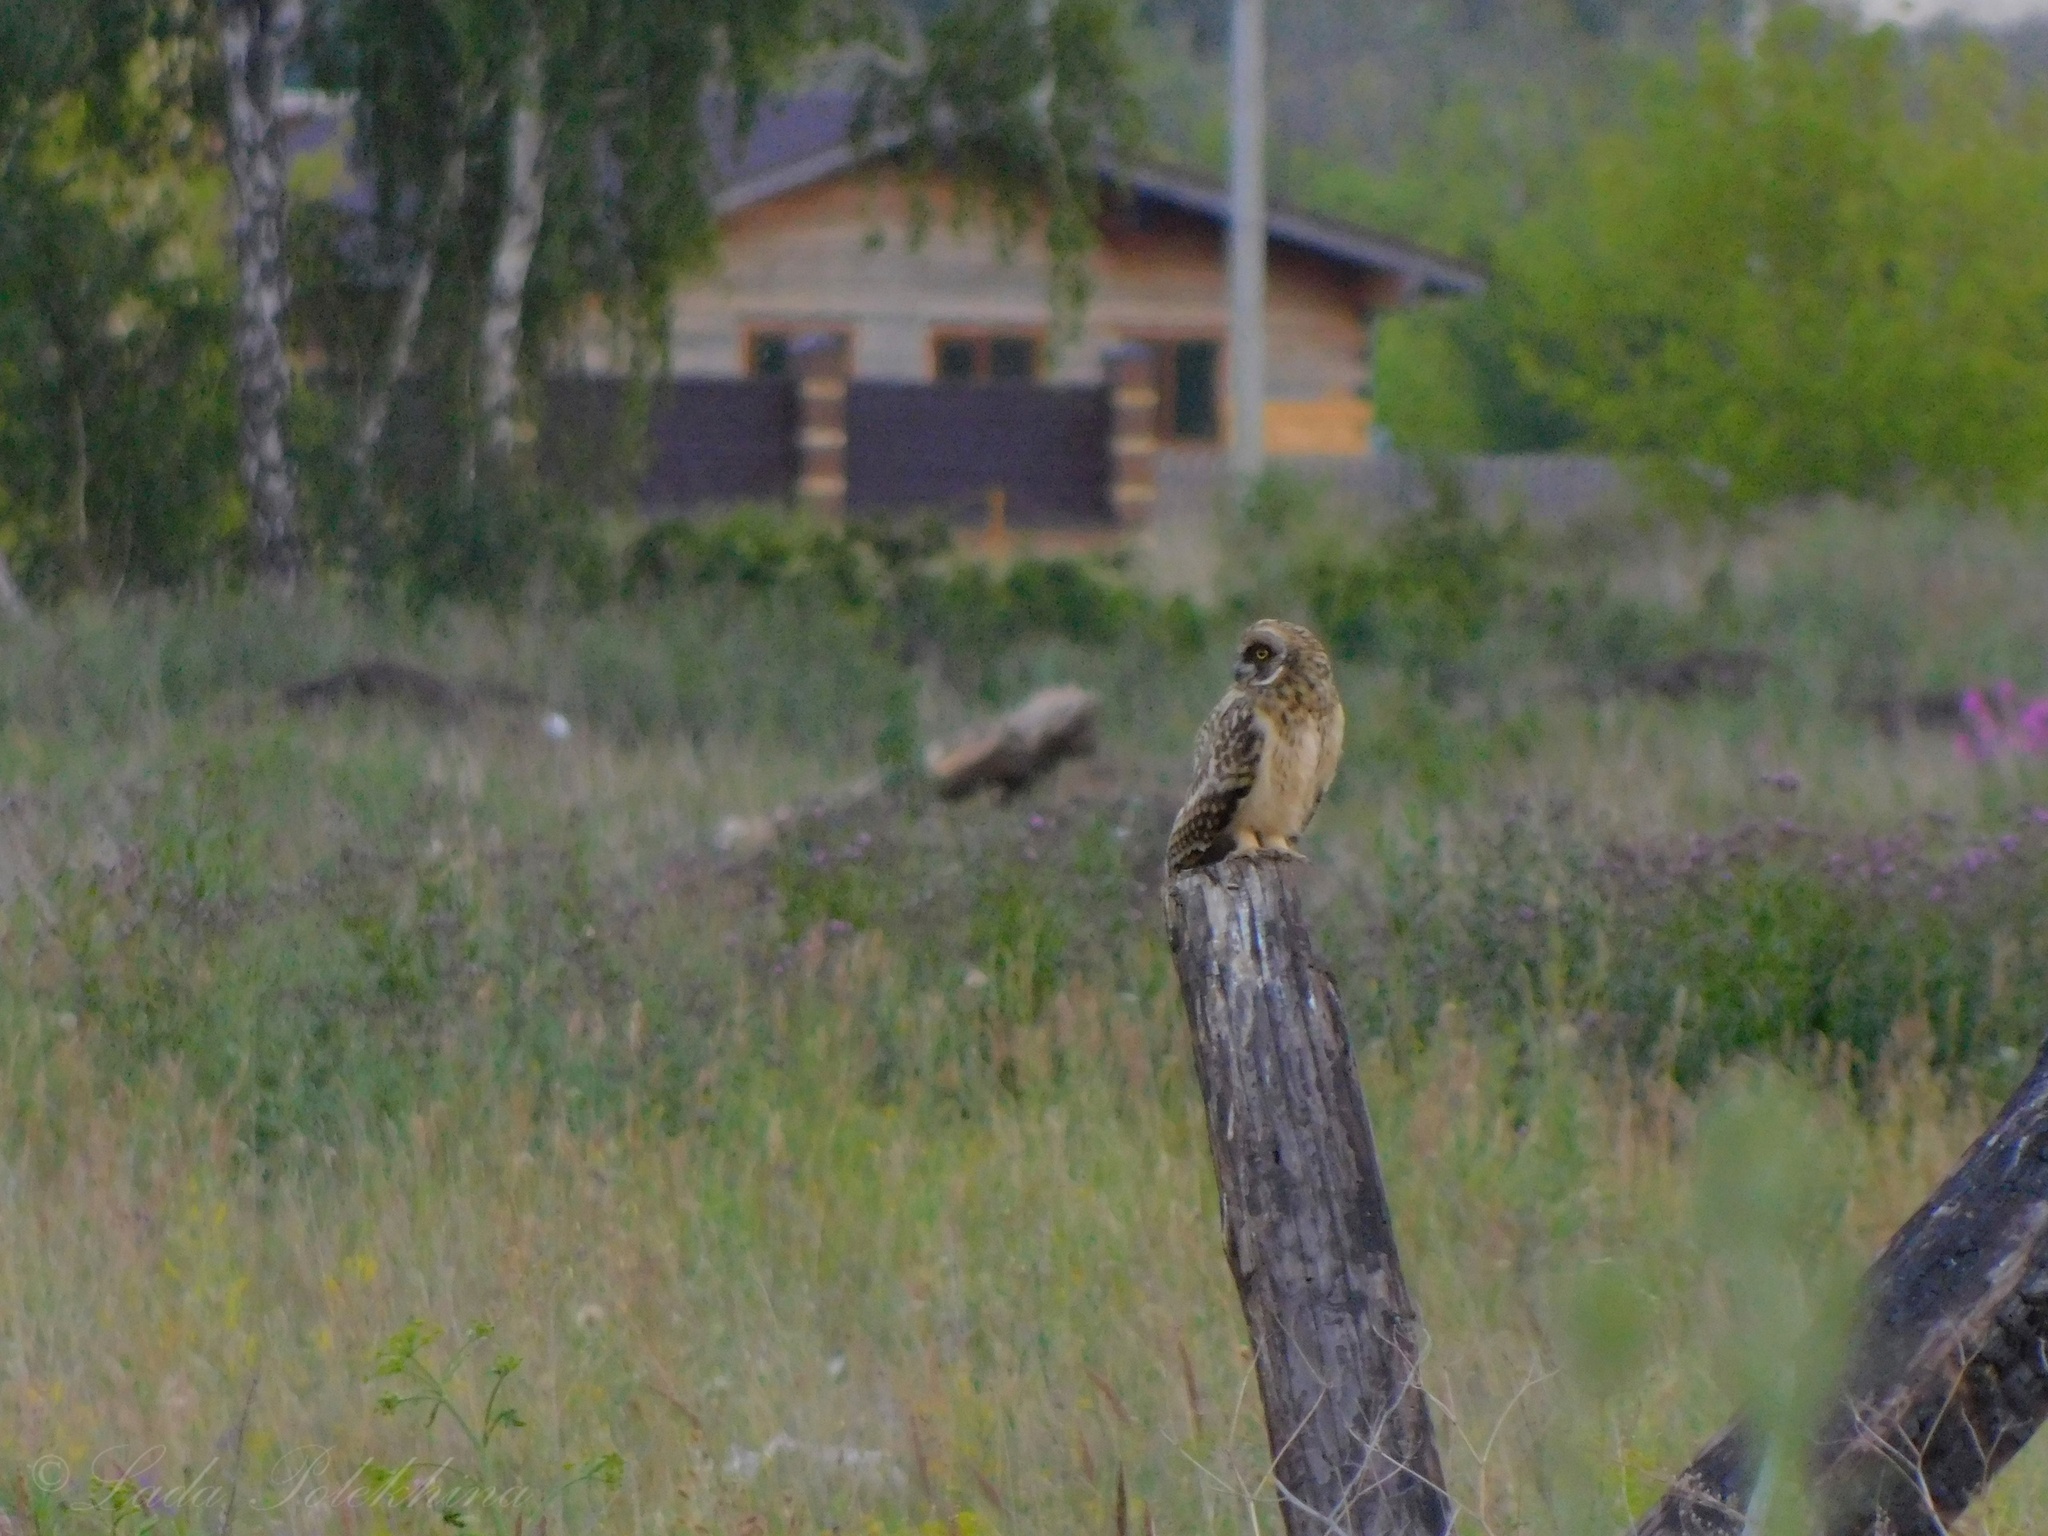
x: 483, y: 1482
x: 1014, y: 104
x: 1435, y: 586
x: 1446, y: 380
x: 1808, y: 272
x: 1419, y: 594
x: 1765, y: 941
x: 906, y: 590
x: 755, y: 551
x: 116, y: 405
x: 1444, y: 377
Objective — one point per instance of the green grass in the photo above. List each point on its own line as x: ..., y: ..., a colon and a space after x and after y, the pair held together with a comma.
x: 865, y: 1180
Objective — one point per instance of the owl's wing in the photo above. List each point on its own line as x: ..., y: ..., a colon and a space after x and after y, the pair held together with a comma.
x: 1226, y: 762
x: 1326, y: 759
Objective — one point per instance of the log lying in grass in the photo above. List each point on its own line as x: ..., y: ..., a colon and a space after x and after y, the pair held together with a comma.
x: 1716, y: 673
x: 1008, y: 754
x: 399, y: 682
x: 1948, y: 1377
x: 1011, y: 753
x: 1305, y: 1220
x: 378, y: 680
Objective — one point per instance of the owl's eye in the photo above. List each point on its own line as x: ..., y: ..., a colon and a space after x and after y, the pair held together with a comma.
x: 1261, y: 654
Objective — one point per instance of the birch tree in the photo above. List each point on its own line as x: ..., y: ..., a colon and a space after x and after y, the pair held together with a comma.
x: 525, y: 201
x: 256, y: 36
x: 531, y: 155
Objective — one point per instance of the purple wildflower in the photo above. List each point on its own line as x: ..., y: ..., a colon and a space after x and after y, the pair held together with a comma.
x: 1997, y: 724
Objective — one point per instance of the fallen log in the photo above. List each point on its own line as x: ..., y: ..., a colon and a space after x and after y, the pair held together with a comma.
x: 1948, y: 1373
x: 1723, y: 674
x: 1014, y: 751
x: 1008, y: 754
x: 1306, y: 1227
x: 381, y: 681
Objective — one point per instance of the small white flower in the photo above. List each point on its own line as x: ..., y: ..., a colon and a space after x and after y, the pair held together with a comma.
x: 555, y: 726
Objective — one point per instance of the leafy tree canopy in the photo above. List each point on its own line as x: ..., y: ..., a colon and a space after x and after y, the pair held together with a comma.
x: 1817, y: 270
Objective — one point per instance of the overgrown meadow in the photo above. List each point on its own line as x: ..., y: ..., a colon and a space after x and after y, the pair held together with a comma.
x: 413, y: 1116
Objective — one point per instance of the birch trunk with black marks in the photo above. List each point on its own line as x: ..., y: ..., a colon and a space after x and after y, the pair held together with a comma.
x: 518, y: 234
x: 412, y: 308
x: 255, y: 37
x: 1948, y: 1376
x: 1305, y: 1221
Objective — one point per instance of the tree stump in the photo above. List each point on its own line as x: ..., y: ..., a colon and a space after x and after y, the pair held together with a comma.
x: 1948, y: 1375
x: 1305, y: 1221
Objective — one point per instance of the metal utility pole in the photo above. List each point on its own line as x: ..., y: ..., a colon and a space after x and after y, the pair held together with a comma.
x: 1247, y: 238
x: 1756, y: 16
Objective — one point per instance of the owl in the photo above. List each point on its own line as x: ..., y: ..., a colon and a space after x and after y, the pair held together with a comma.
x: 1267, y: 753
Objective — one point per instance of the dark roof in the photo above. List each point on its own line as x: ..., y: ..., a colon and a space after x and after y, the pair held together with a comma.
x: 787, y: 132
x: 1429, y: 273
x: 798, y: 140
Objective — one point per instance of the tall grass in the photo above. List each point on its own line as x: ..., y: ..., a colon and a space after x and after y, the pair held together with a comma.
x: 811, y: 1307
x: 864, y: 1180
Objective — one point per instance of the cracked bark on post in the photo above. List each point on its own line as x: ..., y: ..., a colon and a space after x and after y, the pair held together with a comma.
x: 1305, y: 1221
x: 255, y: 37
x: 412, y: 307
x: 1948, y: 1375
x: 518, y: 234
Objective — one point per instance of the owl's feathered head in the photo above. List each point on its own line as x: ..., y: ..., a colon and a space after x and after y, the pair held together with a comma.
x: 1273, y: 649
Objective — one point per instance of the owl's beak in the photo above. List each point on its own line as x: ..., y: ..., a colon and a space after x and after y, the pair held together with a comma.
x: 1245, y: 672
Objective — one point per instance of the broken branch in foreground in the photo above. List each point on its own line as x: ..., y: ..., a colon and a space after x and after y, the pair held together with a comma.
x: 1948, y: 1376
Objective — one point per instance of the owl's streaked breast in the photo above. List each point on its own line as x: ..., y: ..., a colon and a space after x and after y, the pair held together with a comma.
x: 1286, y: 788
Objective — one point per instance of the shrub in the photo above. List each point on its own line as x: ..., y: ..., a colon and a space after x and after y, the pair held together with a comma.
x: 1424, y: 594
x: 1770, y: 939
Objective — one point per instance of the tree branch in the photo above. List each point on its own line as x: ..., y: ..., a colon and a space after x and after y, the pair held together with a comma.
x: 1948, y: 1376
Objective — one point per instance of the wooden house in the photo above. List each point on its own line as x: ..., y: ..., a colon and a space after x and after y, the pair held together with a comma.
x: 815, y: 236
x: 954, y: 387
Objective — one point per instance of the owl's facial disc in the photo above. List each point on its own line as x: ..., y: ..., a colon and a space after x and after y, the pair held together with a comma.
x: 1260, y: 657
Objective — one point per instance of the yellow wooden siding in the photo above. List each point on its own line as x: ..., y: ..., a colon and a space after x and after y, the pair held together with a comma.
x: 837, y: 253
x: 1336, y: 426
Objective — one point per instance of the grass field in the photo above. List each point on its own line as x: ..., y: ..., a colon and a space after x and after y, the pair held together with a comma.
x: 862, y: 1183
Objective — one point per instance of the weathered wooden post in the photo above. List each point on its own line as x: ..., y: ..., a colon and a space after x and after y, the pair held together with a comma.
x: 1305, y: 1220
x: 1948, y: 1376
